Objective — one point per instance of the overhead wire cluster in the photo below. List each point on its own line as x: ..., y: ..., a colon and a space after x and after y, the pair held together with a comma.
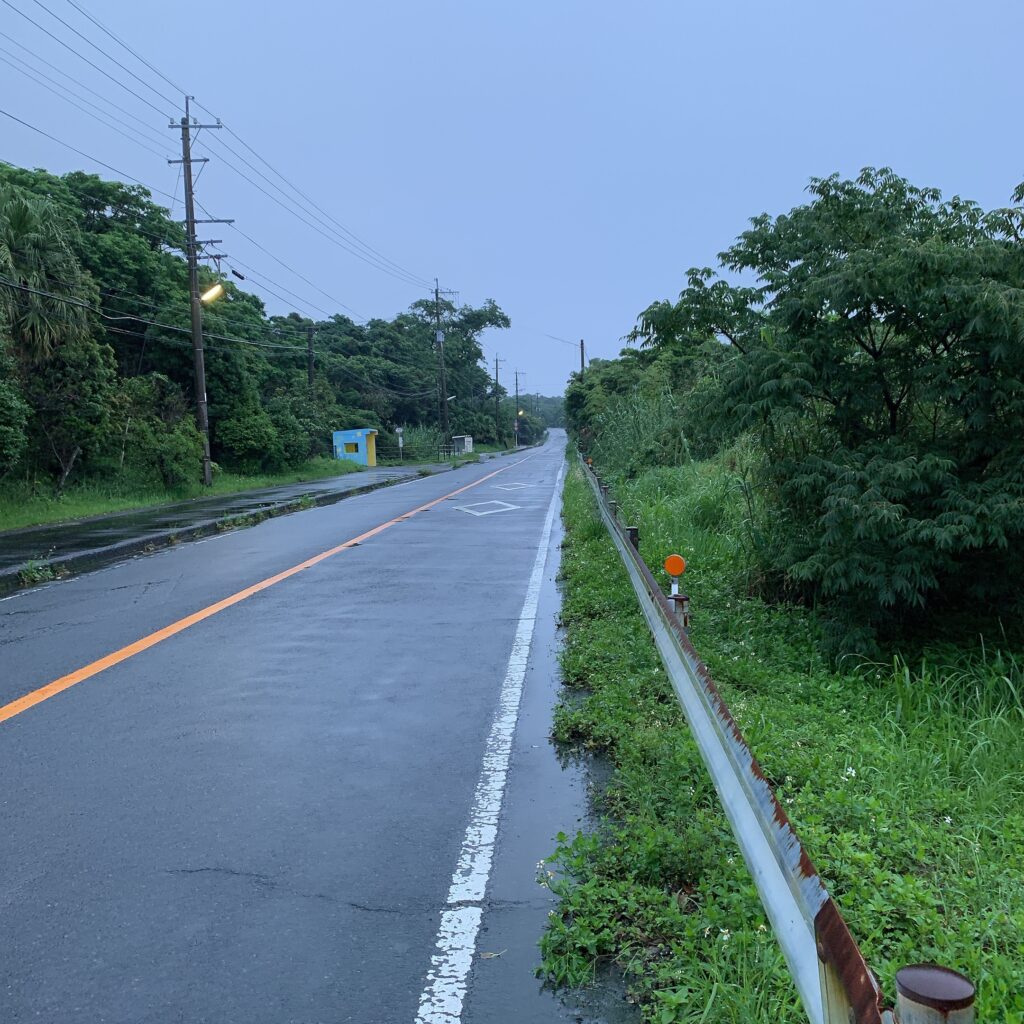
x: 242, y: 159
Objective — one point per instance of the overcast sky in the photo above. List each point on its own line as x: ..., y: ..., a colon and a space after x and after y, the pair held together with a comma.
x: 570, y: 160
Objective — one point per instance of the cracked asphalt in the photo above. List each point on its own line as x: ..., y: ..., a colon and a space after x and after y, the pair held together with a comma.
x: 256, y: 818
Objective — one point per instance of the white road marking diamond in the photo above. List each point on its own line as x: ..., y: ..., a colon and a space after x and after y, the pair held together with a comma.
x: 486, y: 508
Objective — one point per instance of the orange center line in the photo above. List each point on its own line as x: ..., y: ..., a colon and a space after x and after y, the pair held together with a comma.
x: 34, y: 697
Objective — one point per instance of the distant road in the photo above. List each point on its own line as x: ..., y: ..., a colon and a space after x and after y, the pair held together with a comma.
x: 240, y: 774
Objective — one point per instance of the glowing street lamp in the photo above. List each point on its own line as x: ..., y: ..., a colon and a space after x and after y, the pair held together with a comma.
x: 212, y: 293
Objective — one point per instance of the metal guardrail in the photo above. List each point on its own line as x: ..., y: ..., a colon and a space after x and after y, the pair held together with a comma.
x: 831, y: 976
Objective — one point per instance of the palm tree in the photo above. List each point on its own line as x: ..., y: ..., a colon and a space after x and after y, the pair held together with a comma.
x: 41, y: 283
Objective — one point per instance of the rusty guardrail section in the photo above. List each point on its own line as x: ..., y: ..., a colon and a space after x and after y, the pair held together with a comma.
x: 831, y: 976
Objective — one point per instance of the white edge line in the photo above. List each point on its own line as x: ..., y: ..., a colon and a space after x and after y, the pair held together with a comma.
x: 445, y: 989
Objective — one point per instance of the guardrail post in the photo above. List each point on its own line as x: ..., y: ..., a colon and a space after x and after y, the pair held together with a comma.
x: 927, y: 994
x: 614, y: 508
x: 681, y: 606
x: 634, y: 536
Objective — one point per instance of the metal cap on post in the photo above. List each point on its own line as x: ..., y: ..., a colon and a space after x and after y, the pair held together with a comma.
x: 928, y: 994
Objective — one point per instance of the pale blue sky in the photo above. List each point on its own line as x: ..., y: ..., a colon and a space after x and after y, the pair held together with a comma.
x: 568, y: 159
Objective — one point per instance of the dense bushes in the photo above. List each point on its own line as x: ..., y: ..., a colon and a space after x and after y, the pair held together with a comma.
x: 878, y: 365
x: 899, y: 776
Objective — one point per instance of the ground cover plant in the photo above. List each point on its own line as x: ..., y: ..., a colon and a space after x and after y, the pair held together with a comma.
x: 903, y: 777
x: 30, y: 504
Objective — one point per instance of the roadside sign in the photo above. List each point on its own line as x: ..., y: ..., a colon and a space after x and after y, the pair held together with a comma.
x: 675, y: 565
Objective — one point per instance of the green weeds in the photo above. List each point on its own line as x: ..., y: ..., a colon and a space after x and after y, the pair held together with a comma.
x: 30, y: 504
x: 35, y: 572
x: 903, y: 779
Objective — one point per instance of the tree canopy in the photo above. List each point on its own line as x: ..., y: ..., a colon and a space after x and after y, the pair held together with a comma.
x: 877, y: 358
x: 95, y: 352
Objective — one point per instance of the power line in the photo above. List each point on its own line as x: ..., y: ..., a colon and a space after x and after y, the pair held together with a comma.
x: 96, y: 117
x: 295, y: 349
x: 118, y: 39
x: 320, y: 227
x: 370, y: 255
x: 99, y: 49
x: 290, y: 270
x: 67, y: 46
x: 79, y: 83
x: 259, y: 276
x: 74, y: 149
x: 315, y: 206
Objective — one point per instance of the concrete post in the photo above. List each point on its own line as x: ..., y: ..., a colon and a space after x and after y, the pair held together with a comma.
x: 927, y: 994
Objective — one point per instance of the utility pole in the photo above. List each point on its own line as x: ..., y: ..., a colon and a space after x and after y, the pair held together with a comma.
x: 517, y: 409
x: 497, y: 402
x: 443, y: 383
x: 192, y: 245
x: 309, y: 358
x: 582, y: 364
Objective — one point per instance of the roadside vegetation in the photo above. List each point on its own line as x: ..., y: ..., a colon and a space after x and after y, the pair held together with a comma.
x: 837, y: 452
x: 96, y: 379
x: 24, y: 504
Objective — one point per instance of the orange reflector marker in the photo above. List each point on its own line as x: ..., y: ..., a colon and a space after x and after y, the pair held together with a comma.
x: 675, y: 565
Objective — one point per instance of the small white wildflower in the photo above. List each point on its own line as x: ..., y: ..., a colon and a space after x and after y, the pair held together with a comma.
x: 707, y: 932
x: 762, y: 927
x: 851, y: 773
x: 948, y: 820
x: 724, y: 932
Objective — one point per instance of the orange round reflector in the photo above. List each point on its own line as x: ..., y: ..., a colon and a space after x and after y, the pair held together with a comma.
x: 675, y: 565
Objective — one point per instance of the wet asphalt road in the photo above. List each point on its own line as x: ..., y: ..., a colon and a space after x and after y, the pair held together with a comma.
x: 257, y: 819
x: 85, y: 536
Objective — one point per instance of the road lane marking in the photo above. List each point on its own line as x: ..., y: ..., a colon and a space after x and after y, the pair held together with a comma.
x: 445, y: 989
x: 34, y: 697
x: 486, y: 508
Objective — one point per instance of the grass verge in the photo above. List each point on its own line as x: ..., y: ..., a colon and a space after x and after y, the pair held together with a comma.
x: 904, y: 781
x: 34, y: 504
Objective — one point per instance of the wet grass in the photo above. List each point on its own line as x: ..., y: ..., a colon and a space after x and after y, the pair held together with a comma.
x: 32, y: 504
x: 905, y: 781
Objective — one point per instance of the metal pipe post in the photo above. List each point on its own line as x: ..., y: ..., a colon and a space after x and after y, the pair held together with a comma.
x: 927, y: 994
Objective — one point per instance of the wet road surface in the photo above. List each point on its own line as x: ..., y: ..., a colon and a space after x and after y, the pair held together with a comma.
x: 87, y: 535
x: 255, y: 816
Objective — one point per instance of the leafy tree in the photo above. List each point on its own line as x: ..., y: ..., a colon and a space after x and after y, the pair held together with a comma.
x: 14, y: 413
x: 879, y: 361
x: 42, y: 287
x: 71, y: 396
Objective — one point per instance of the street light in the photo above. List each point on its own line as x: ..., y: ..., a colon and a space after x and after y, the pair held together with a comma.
x: 212, y: 293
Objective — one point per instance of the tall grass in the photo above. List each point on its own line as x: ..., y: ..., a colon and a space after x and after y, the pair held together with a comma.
x: 637, y: 431
x: 905, y: 779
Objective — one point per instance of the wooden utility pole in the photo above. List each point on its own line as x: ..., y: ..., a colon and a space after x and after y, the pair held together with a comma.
x: 443, y: 384
x: 517, y: 410
x: 497, y: 403
x: 192, y: 245
x: 582, y: 363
